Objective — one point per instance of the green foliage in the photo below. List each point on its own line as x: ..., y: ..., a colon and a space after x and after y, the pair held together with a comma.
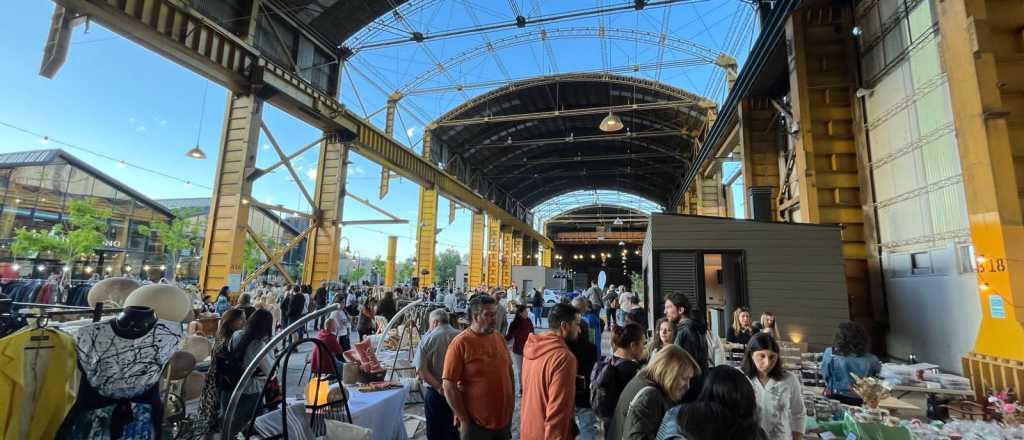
x: 86, y: 230
x: 637, y: 283
x: 404, y: 271
x: 179, y: 234
x: 356, y: 274
x: 252, y: 258
x: 444, y: 265
x: 378, y: 266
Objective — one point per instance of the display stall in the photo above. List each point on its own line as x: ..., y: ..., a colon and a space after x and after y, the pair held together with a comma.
x: 97, y: 377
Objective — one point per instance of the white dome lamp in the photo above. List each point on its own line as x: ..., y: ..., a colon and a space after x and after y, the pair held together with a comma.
x: 610, y: 123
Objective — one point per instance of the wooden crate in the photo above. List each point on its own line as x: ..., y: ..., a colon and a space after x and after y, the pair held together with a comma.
x: 990, y: 373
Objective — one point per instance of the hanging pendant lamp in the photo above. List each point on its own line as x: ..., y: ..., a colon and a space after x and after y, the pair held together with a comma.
x: 196, y: 152
x: 610, y: 123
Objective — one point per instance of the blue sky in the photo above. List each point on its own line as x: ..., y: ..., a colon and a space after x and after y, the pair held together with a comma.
x: 115, y: 97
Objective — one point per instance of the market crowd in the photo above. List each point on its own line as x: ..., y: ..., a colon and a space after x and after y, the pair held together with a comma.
x: 674, y: 384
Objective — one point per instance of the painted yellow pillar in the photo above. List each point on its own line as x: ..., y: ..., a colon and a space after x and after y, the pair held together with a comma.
x: 760, y: 152
x: 493, y: 251
x: 426, y: 232
x: 981, y: 44
x: 389, y: 129
x: 547, y: 255
x: 321, y: 263
x: 476, y: 251
x: 507, y: 260
x: 389, y: 269
x: 821, y: 96
x: 228, y: 217
x: 517, y: 249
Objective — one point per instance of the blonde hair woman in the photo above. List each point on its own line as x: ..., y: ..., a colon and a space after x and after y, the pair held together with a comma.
x: 741, y: 330
x: 656, y: 388
x: 768, y: 325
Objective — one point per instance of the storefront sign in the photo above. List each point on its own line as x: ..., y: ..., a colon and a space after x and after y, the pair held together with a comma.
x: 234, y: 282
x: 996, y: 307
x: 112, y: 243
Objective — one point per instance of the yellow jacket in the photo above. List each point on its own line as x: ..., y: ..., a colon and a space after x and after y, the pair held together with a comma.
x: 54, y: 395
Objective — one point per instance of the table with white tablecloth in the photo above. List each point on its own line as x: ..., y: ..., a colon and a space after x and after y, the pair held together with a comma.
x: 380, y: 411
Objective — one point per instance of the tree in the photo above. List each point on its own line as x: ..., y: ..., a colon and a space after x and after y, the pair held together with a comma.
x: 356, y: 274
x: 404, y: 271
x: 378, y: 266
x: 176, y: 236
x: 637, y: 282
x: 444, y: 266
x: 85, y: 231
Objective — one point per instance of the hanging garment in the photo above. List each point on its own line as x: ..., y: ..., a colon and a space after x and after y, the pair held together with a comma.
x: 119, y: 397
x: 96, y: 417
x: 36, y: 386
x: 122, y: 368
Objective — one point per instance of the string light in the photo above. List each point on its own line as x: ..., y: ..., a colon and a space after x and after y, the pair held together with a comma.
x: 46, y: 140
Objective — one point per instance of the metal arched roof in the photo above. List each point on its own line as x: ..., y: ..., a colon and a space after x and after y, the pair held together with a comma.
x: 538, y: 138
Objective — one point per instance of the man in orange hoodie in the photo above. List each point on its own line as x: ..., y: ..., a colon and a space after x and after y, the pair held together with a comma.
x: 549, y: 378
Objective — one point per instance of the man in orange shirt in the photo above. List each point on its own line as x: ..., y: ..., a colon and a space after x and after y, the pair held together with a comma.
x: 478, y: 378
x: 549, y: 378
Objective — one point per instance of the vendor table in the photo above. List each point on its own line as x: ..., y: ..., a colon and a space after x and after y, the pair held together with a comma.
x: 907, y: 390
x: 893, y: 404
x: 380, y: 411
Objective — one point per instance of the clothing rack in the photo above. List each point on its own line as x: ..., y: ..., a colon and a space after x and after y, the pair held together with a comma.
x: 64, y: 310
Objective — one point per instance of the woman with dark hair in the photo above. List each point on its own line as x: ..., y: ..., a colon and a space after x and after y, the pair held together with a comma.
x: 223, y: 302
x: 778, y: 391
x: 848, y: 354
x: 365, y: 325
x: 725, y: 409
x: 232, y: 321
x: 247, y: 343
x: 612, y: 374
x: 666, y: 333
x: 387, y: 306
x: 212, y: 401
x: 520, y: 329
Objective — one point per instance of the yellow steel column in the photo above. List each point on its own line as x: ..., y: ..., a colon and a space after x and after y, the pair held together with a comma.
x: 517, y: 249
x: 389, y: 269
x: 709, y: 193
x: 426, y: 232
x: 760, y: 152
x: 506, y: 261
x: 321, y: 263
x: 547, y: 256
x: 981, y: 46
x: 825, y: 155
x: 493, y: 251
x: 228, y: 217
x: 389, y: 129
x: 476, y: 251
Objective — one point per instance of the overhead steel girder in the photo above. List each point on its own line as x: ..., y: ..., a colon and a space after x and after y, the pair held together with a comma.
x: 197, y: 43
x: 527, y: 164
x: 527, y: 169
x: 708, y: 55
x: 662, y: 151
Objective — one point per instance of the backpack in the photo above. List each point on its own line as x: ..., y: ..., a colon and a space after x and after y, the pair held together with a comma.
x: 604, y: 381
x: 230, y: 366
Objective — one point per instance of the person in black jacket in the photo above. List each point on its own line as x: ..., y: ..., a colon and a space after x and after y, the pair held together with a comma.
x: 296, y: 309
x: 690, y: 336
x: 637, y: 314
x: 586, y: 357
x: 387, y: 306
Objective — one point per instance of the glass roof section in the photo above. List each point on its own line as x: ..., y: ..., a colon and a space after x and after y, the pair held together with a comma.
x: 559, y: 204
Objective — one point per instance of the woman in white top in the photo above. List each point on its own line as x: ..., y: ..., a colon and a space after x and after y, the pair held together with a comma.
x: 778, y: 391
x: 341, y: 317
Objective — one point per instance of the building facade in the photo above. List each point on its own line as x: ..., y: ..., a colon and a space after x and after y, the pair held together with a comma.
x: 36, y: 188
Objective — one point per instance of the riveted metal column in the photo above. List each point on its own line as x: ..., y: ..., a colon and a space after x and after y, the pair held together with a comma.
x: 710, y: 194
x: 821, y: 93
x: 476, y: 251
x: 758, y: 139
x: 507, y: 260
x: 981, y: 48
x: 389, y: 129
x: 493, y: 251
x: 547, y: 255
x: 322, y: 246
x: 228, y: 217
x: 426, y: 232
x: 389, y: 269
x: 517, y: 248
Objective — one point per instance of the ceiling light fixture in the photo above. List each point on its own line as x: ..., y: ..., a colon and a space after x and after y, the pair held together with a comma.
x: 196, y: 152
x: 622, y: 243
x: 611, y: 123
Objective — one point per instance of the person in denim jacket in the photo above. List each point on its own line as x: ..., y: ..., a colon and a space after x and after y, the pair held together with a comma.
x: 848, y: 354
